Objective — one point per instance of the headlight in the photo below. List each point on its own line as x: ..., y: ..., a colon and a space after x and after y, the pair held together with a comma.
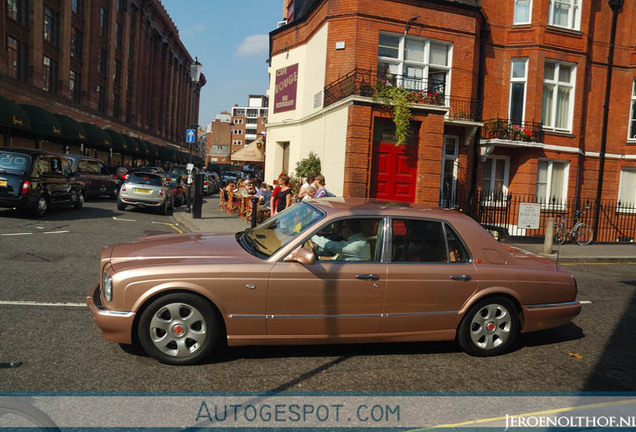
x: 107, y: 286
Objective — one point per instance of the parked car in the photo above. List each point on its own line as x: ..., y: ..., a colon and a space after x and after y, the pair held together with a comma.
x: 144, y: 189
x: 120, y: 173
x: 36, y: 180
x: 422, y: 274
x: 94, y: 174
x: 178, y: 186
x: 210, y: 185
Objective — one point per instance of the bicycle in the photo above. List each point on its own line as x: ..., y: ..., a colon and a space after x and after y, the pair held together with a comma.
x: 580, y: 232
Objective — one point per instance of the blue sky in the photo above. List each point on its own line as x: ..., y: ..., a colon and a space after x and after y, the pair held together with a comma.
x: 231, y: 40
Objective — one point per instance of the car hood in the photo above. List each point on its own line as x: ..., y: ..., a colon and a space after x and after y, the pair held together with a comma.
x: 189, y: 248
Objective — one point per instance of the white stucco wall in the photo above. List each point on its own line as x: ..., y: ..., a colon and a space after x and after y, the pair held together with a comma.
x: 307, y: 128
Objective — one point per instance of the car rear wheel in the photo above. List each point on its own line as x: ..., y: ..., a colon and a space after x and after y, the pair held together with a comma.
x: 121, y: 206
x: 41, y: 206
x: 78, y: 201
x: 489, y: 328
x: 178, y: 329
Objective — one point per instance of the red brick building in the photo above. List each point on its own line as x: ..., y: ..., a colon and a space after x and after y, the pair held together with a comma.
x: 115, y: 64
x: 506, y: 100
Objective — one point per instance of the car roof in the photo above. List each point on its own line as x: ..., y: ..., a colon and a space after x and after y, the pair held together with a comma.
x: 28, y: 151
x: 334, y: 206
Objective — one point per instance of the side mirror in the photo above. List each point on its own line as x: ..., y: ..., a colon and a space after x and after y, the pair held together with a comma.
x: 302, y: 256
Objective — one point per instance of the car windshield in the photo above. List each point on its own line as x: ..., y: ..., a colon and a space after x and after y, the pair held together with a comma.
x: 14, y: 161
x: 179, y: 171
x: 273, y: 234
x: 146, y: 179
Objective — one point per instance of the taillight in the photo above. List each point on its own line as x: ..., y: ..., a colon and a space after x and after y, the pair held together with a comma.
x: 160, y: 192
x: 123, y: 187
x: 174, y: 190
x: 206, y: 183
x: 25, y: 187
x: 126, y: 176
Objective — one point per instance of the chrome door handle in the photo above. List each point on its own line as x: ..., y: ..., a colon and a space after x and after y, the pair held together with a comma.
x: 463, y: 277
x: 368, y: 276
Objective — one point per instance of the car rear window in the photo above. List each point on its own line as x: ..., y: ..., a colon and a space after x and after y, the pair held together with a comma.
x: 147, y: 179
x: 14, y: 161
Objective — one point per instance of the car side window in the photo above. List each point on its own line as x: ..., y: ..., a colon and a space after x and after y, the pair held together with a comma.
x: 56, y: 167
x: 416, y: 240
x: 352, y: 239
x: 92, y: 167
x: 42, y: 166
x: 457, y: 252
x: 82, y: 165
x: 103, y: 169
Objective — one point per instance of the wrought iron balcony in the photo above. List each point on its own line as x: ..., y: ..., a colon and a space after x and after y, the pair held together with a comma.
x: 370, y: 83
x: 506, y: 129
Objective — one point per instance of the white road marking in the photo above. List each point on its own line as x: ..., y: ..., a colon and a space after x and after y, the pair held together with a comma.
x: 585, y: 302
x: 16, y: 234
x: 56, y: 232
x: 33, y: 303
x: 121, y: 219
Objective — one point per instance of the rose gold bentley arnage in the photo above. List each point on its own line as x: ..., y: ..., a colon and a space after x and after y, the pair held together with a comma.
x: 335, y: 270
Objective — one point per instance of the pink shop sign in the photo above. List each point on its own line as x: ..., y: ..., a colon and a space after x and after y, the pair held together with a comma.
x: 286, y: 86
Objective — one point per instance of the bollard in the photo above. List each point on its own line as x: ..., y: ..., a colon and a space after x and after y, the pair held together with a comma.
x: 197, y: 201
x: 549, y: 232
x: 254, y: 210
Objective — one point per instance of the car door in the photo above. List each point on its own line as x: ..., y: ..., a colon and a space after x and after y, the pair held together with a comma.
x: 331, y: 298
x: 429, y: 277
x: 58, y: 182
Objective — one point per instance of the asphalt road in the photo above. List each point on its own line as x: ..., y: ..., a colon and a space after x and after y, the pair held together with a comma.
x: 53, y: 263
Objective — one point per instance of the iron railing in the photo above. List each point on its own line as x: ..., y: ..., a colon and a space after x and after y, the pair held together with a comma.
x: 500, y: 213
x: 370, y: 83
x: 506, y: 129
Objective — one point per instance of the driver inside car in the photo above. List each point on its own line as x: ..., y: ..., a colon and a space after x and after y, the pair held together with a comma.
x: 352, y: 247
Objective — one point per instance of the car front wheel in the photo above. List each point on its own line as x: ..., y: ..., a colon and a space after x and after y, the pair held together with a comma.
x: 178, y: 329
x: 489, y: 328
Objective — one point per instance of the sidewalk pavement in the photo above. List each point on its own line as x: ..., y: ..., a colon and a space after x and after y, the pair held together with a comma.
x: 213, y: 220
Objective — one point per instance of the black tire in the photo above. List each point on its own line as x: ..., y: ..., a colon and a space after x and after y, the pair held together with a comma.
x: 584, y: 234
x: 79, y: 201
x: 164, y: 208
x: 41, y: 206
x: 489, y: 328
x: 121, y: 206
x: 160, y: 324
x: 559, y: 233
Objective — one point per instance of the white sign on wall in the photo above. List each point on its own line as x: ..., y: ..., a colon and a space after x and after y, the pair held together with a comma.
x: 529, y: 215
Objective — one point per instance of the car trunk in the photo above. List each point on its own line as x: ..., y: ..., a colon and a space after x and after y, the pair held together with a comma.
x: 10, y: 183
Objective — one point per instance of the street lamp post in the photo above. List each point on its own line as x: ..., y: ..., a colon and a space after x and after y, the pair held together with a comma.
x: 195, y: 76
x: 616, y: 6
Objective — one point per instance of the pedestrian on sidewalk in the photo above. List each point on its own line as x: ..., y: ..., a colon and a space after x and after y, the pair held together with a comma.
x: 285, y: 194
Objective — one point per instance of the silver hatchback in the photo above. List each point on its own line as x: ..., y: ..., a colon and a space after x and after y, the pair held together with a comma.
x: 144, y: 189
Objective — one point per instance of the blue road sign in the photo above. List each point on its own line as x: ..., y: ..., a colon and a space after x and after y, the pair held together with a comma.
x: 190, y: 135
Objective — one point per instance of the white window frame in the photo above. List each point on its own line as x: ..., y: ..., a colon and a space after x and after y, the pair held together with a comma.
x: 490, y: 201
x: 238, y: 121
x: 625, y: 192
x: 574, y: 13
x: 237, y: 142
x: 450, y: 157
x: 555, y: 92
x: 237, y: 131
x: 515, y: 19
x: 514, y: 80
x: 402, y: 63
x: 631, y: 128
x: 546, y: 201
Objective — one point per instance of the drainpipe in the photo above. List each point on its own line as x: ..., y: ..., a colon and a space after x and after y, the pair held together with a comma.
x: 616, y: 6
x: 483, y: 34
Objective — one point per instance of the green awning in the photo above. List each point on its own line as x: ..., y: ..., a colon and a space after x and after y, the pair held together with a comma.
x: 42, y: 122
x: 71, y: 129
x: 154, y: 150
x: 143, y: 148
x: 131, y: 145
x: 117, y: 141
x: 13, y: 116
x: 96, y: 137
x: 166, y: 153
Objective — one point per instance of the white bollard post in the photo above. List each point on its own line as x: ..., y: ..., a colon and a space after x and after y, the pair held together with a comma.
x: 549, y: 231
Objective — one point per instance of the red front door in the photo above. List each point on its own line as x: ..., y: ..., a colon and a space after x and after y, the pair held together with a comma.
x: 394, y: 171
